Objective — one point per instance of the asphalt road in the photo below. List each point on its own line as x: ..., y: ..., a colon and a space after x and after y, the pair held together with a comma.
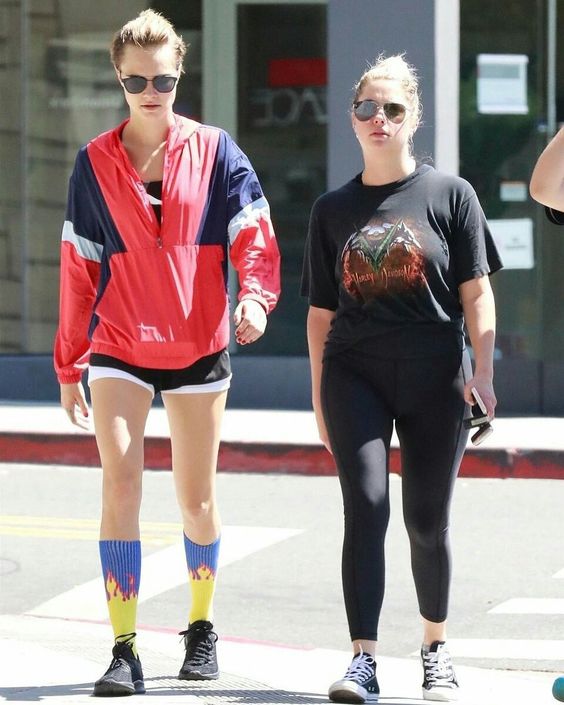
x: 507, y: 605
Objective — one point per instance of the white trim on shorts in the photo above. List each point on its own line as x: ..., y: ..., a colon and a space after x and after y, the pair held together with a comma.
x: 220, y: 385
x: 95, y: 372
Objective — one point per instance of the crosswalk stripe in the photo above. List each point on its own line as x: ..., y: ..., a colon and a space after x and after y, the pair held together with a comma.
x: 25, y: 520
x: 524, y: 649
x: 152, y: 533
x: 530, y: 605
x: 162, y: 570
x: 76, y: 535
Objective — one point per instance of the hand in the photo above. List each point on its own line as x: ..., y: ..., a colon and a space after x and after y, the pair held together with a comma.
x: 250, y: 321
x: 485, y: 389
x: 73, y: 401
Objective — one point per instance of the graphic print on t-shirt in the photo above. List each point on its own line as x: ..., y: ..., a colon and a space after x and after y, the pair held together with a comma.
x: 382, y: 258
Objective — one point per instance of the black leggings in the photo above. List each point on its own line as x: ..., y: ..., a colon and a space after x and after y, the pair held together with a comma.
x: 361, y: 398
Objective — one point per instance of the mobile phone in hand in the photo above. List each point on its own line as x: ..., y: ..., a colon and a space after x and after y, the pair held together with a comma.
x: 479, y: 419
x: 485, y: 430
x: 479, y: 412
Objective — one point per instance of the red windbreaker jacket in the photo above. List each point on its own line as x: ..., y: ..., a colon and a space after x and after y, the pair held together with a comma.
x: 155, y: 294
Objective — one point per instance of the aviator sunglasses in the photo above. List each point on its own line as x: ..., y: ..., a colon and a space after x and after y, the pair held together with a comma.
x: 365, y: 110
x: 137, y: 84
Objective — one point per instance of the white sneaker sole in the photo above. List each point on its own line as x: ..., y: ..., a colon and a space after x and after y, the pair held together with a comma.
x: 441, y: 695
x: 350, y: 692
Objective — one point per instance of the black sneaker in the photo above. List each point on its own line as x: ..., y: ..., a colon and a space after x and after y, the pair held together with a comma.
x: 439, y: 680
x: 125, y: 675
x: 200, y: 662
x: 359, y: 684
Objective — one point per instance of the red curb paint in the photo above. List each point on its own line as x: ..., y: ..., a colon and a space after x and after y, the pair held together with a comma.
x: 62, y: 449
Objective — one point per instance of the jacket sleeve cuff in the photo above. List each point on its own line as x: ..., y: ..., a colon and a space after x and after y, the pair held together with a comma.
x: 258, y: 299
x: 70, y: 378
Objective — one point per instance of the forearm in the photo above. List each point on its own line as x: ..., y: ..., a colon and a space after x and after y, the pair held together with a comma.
x: 479, y: 314
x: 547, y: 180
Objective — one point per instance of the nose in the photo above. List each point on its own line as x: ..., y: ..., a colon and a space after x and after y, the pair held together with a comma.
x: 150, y: 89
x: 379, y: 115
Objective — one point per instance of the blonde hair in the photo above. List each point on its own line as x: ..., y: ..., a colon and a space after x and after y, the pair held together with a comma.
x: 395, y: 68
x: 149, y: 28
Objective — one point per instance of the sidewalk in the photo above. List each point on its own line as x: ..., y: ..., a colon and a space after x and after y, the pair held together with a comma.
x: 274, y: 441
x: 57, y: 661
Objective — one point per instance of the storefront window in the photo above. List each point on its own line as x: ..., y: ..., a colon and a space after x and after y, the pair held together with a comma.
x: 282, y: 126
x: 11, y: 178
x: 504, y: 78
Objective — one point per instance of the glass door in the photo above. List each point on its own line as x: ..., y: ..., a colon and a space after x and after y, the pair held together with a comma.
x: 511, y: 102
x: 265, y: 83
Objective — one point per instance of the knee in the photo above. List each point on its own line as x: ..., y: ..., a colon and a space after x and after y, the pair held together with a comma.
x: 122, y: 488
x: 195, y: 512
x: 426, y: 533
x: 370, y: 505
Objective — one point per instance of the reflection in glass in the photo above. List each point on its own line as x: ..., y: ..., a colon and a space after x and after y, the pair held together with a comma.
x: 282, y: 119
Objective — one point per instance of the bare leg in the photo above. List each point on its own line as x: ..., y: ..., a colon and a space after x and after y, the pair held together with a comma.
x: 195, y: 425
x: 120, y: 412
x: 364, y: 645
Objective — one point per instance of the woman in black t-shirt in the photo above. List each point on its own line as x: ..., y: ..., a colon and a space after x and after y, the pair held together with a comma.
x: 397, y: 261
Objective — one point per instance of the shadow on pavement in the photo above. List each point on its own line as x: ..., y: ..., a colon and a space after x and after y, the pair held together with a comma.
x: 261, y: 694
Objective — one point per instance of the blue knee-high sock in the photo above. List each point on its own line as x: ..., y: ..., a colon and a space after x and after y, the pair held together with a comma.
x: 202, y: 569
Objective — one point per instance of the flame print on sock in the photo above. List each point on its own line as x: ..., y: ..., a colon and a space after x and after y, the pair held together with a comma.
x: 123, y: 588
x: 204, y: 572
x: 382, y: 258
x: 121, y: 594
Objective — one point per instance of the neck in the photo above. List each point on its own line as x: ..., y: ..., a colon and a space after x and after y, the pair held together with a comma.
x: 148, y: 132
x: 380, y: 169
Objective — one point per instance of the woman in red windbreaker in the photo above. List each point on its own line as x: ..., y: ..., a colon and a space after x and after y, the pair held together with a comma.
x: 156, y: 207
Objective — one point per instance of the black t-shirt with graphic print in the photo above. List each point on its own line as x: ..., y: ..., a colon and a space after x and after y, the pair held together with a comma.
x: 389, y: 260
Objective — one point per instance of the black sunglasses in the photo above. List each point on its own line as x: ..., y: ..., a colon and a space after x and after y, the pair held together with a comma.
x: 137, y: 84
x: 366, y: 109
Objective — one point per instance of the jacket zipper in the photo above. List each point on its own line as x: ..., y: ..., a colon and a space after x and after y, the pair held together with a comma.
x: 160, y: 224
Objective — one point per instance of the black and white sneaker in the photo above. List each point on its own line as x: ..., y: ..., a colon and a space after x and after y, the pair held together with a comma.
x: 200, y: 662
x: 359, y: 684
x: 125, y: 675
x: 439, y: 680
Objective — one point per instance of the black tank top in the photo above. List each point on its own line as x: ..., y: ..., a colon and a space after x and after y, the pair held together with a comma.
x: 155, y: 191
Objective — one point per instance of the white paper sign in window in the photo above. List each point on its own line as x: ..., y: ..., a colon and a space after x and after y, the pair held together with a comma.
x: 514, y: 240
x: 502, y: 84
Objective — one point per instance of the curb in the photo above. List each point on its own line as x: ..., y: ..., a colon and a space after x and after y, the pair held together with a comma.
x: 314, y: 460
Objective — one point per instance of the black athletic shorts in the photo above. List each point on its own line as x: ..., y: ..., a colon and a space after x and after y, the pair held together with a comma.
x: 211, y: 373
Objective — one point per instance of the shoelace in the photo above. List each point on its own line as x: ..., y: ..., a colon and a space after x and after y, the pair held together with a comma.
x: 199, y: 644
x: 438, y: 666
x: 362, y: 666
x: 119, y: 648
